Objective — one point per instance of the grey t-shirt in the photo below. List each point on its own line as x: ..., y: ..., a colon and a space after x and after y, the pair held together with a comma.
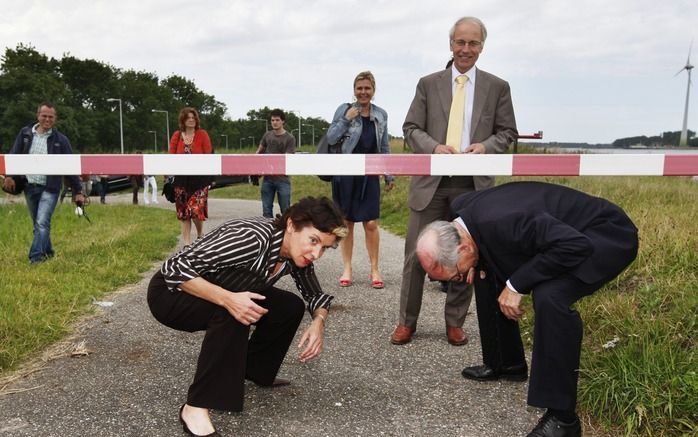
x: 272, y: 143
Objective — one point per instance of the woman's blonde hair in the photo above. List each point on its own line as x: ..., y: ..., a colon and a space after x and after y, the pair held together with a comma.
x: 366, y: 75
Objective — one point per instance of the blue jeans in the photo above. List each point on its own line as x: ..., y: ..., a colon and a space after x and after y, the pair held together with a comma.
x: 270, y: 186
x: 41, y: 205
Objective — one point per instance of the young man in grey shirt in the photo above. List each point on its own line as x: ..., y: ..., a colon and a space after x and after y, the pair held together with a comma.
x: 276, y: 140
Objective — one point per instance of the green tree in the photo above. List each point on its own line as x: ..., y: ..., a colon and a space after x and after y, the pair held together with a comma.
x: 27, y: 78
x: 80, y: 88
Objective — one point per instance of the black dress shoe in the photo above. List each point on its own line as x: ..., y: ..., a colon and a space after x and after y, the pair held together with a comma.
x: 484, y: 372
x: 551, y: 426
x: 186, y: 429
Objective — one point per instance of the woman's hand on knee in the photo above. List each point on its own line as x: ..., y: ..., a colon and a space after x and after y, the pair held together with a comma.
x: 243, y: 308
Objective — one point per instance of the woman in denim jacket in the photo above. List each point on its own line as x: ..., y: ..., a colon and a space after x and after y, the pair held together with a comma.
x: 364, y: 127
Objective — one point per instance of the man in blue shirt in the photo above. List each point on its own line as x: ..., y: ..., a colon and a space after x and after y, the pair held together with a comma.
x: 41, y: 191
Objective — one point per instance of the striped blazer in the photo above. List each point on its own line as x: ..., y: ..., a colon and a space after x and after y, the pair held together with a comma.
x: 240, y: 255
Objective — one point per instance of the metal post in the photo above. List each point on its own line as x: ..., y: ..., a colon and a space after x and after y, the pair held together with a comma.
x: 155, y: 140
x: 121, y: 123
x: 312, y: 126
x: 299, y: 126
x: 167, y: 122
x: 266, y: 123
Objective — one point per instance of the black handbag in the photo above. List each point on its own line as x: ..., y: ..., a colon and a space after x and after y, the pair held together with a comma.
x: 325, y: 147
x: 20, y: 184
x: 168, y: 189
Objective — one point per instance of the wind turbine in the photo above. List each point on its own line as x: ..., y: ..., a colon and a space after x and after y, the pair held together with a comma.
x: 683, y: 140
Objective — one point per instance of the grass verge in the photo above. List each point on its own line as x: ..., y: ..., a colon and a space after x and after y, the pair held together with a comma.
x: 38, y: 303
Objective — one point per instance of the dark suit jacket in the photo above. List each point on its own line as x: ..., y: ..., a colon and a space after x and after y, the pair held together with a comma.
x: 426, y: 124
x: 530, y: 232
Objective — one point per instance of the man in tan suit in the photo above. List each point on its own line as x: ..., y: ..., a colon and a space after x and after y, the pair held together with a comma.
x: 488, y: 126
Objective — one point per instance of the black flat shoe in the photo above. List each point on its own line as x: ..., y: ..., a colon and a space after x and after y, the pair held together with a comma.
x: 186, y: 429
x: 484, y: 372
x: 278, y: 382
x: 551, y: 426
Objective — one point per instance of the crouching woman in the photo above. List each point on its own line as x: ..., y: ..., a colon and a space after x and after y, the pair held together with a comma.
x: 224, y: 282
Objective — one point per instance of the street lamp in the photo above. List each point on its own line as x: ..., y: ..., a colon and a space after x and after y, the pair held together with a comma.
x: 299, y: 125
x: 266, y: 123
x: 155, y: 140
x: 312, y: 126
x: 121, y: 123
x: 167, y: 121
x: 252, y: 138
x: 226, y: 141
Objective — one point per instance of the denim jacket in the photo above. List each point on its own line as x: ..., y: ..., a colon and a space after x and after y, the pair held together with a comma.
x: 57, y: 143
x: 341, y: 127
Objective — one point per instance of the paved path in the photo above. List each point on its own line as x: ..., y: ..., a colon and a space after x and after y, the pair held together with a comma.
x: 138, y: 371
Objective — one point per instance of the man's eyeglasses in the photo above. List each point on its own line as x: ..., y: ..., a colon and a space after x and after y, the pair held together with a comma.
x: 458, y: 277
x: 460, y: 43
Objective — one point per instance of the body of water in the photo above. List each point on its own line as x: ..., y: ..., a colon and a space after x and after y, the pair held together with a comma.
x: 693, y: 151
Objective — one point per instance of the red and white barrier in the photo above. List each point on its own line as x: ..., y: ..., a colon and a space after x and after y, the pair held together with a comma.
x: 397, y: 165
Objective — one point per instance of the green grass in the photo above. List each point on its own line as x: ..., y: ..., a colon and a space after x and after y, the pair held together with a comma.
x: 39, y: 303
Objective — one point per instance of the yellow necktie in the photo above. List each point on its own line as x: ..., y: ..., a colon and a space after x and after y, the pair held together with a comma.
x: 454, y: 134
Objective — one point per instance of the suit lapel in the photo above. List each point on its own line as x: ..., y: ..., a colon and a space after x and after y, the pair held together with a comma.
x: 482, y: 87
x: 445, y: 90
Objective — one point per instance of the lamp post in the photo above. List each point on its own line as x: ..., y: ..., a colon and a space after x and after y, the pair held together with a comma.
x: 298, y: 113
x: 167, y: 122
x: 266, y: 123
x: 155, y: 140
x: 312, y: 126
x: 226, y: 141
x: 121, y: 123
x: 252, y: 138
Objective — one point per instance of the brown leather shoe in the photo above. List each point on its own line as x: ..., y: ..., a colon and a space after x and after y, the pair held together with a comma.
x: 402, y: 334
x: 456, y: 336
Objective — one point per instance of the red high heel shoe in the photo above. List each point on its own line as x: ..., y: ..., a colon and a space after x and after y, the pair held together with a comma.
x: 376, y: 283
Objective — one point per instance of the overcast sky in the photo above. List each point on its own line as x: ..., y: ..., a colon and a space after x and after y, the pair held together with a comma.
x: 580, y: 71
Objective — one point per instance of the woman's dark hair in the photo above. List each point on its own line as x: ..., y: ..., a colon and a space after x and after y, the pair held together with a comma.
x: 184, y: 113
x: 320, y: 213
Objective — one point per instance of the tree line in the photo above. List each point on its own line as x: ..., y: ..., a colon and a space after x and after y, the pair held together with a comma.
x: 84, y: 92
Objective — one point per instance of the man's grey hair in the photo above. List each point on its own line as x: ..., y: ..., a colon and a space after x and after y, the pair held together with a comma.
x: 446, y: 245
x: 474, y: 20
